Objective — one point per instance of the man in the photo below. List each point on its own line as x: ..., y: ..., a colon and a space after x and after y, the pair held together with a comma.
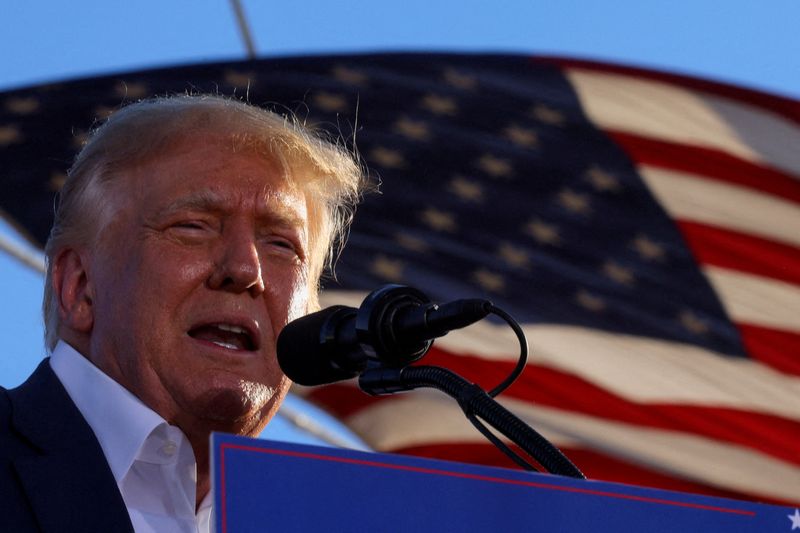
x: 189, y: 232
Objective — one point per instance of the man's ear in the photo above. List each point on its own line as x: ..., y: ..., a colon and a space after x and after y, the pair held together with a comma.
x: 73, y: 290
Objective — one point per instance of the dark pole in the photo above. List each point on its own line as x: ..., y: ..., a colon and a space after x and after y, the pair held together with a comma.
x: 244, y: 28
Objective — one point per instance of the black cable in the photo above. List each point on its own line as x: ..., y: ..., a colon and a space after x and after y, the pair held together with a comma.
x: 514, y: 456
x: 473, y: 399
x: 523, y: 351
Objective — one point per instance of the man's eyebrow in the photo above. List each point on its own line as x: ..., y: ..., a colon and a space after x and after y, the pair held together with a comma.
x: 198, y: 201
x: 272, y: 210
x: 280, y: 214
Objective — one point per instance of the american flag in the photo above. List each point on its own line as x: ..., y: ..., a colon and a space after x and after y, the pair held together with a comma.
x: 642, y: 226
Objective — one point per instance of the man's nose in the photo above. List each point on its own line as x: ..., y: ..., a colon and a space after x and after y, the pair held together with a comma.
x: 238, y: 267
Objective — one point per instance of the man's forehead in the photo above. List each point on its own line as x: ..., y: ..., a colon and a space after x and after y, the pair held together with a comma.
x: 215, y: 149
x: 285, y: 203
x: 217, y: 166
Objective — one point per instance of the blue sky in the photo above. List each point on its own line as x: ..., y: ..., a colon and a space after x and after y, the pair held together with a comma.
x: 754, y: 44
x: 751, y: 43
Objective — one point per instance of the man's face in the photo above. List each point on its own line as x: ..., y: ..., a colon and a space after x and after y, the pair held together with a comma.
x: 202, y: 264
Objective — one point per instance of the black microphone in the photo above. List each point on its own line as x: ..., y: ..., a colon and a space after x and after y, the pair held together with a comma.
x: 394, y: 327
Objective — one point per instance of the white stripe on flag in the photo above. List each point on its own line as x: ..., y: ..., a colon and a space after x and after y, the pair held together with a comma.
x: 756, y: 300
x: 667, y: 112
x: 687, y: 197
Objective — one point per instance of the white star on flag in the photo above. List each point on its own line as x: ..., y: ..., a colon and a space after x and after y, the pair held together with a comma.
x: 795, y: 518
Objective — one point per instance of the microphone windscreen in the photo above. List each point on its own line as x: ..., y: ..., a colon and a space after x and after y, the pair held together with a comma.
x: 311, y: 348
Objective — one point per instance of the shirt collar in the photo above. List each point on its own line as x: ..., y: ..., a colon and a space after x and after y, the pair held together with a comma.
x: 120, y: 421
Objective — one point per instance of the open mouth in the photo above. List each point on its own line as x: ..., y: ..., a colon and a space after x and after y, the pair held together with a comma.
x: 227, y: 336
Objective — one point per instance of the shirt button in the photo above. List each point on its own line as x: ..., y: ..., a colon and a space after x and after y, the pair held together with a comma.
x: 169, y: 448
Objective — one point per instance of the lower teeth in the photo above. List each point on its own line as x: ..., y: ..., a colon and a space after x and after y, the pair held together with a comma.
x: 226, y: 345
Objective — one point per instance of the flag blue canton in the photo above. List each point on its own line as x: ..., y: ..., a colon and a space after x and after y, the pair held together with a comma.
x: 515, y: 195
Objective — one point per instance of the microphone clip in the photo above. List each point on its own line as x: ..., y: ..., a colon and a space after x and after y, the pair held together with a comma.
x: 378, y: 320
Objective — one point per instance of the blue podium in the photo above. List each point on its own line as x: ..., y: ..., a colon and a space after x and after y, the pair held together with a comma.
x: 264, y: 485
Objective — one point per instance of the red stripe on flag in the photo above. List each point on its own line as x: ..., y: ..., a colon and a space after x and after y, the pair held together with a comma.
x: 776, y: 348
x: 772, y: 435
x: 709, y: 163
x: 743, y: 252
x: 341, y: 400
x: 595, y: 465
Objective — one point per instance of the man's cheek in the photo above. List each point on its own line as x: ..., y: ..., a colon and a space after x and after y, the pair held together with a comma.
x: 191, y: 268
x: 298, y: 303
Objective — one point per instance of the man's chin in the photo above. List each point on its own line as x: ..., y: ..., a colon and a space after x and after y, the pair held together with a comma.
x: 234, y: 409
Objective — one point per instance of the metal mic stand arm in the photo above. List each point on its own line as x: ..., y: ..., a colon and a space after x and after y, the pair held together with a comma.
x: 474, y: 401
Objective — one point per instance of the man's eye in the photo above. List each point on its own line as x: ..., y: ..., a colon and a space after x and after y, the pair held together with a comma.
x: 282, y: 244
x: 189, y: 225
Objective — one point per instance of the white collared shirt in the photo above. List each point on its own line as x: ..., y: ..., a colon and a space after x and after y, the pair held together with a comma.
x: 152, y: 462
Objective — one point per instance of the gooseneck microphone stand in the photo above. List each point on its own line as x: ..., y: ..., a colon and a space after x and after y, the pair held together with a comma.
x: 475, y: 402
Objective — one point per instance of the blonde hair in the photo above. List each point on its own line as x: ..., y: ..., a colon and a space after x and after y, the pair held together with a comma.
x: 329, y: 173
